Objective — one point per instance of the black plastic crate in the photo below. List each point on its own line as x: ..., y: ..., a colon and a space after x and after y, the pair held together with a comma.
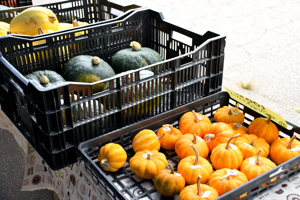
x: 114, y: 183
x: 15, y: 3
x: 90, y: 11
x: 190, y: 71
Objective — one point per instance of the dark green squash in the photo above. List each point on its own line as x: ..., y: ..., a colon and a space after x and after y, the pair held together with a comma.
x: 134, y: 58
x: 47, y: 78
x: 88, y: 69
x: 148, y: 104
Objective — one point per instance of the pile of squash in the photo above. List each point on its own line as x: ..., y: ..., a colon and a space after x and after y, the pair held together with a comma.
x: 215, y: 157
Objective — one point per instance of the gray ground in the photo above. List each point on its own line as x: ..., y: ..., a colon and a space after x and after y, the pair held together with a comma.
x: 262, y: 47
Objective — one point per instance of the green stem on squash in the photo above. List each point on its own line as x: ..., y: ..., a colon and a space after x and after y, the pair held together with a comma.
x: 95, y: 60
x: 227, y: 145
x: 135, y: 46
x: 291, y: 142
x: 199, y: 185
x: 171, y: 128
x: 195, y: 116
x: 269, y: 119
x: 172, y: 169
x: 258, y: 158
x: 103, y: 160
x: 237, y: 104
x: 197, y: 154
x: 44, y: 79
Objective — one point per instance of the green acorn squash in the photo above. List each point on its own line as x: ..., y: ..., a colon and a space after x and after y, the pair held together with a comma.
x: 47, y: 78
x: 134, y: 58
x: 88, y: 69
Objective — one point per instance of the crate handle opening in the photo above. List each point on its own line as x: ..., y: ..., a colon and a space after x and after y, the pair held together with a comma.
x: 182, y: 38
x: 279, y: 171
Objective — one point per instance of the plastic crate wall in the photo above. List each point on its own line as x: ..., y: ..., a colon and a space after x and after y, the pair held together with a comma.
x: 123, y: 184
x: 90, y: 11
x: 189, y: 72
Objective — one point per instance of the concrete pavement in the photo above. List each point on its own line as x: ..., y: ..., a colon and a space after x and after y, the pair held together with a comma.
x: 262, y: 47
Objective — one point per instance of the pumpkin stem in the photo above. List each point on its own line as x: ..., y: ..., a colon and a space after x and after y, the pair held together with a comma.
x: 95, y: 60
x: 197, y: 154
x: 161, y: 136
x: 227, y: 176
x: 52, y: 18
x: 170, y: 126
x: 40, y: 31
x: 252, y: 141
x: 237, y: 104
x: 291, y: 142
x: 103, y: 160
x: 229, y: 112
x: 9, y: 32
x: 195, y: 139
x: 75, y: 23
x: 269, y: 119
x: 195, y: 116
x: 135, y: 46
x: 199, y: 185
x: 258, y: 158
x: 227, y: 145
x: 236, y: 126
x: 172, y: 169
x: 149, y: 156
x: 44, y: 79
x: 210, y: 135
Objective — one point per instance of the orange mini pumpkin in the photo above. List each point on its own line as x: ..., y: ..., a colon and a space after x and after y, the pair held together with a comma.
x: 112, y: 157
x: 218, y: 133
x: 284, y: 149
x: 226, y: 156
x: 170, y: 137
x: 183, y: 148
x: 224, y: 180
x: 192, y: 166
x: 250, y: 144
x: 145, y: 164
x: 256, y: 165
x: 194, y: 123
x: 229, y: 115
x: 197, y: 192
x: 264, y: 128
x: 145, y: 140
x: 168, y: 183
x: 238, y: 128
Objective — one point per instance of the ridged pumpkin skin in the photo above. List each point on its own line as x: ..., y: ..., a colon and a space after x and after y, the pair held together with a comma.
x: 146, y: 167
x: 196, y: 191
x: 260, y: 166
x: 145, y: 140
x: 170, y: 137
x: 264, y: 128
x: 284, y: 149
x: 193, y: 166
x: 229, y: 115
x: 88, y: 69
x: 218, y: 133
x: 238, y: 128
x: 112, y: 157
x: 29, y: 20
x: 129, y: 59
x: 54, y: 77
x: 168, y: 183
x: 226, y: 156
x: 228, y: 182
x: 183, y: 148
x: 250, y: 144
x: 4, y: 27
x: 194, y: 123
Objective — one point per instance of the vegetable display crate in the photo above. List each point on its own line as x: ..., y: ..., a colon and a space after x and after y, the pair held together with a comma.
x: 123, y: 184
x: 55, y: 120
x: 16, y: 3
x: 90, y: 11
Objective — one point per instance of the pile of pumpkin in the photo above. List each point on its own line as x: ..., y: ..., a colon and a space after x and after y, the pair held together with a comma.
x: 236, y: 153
